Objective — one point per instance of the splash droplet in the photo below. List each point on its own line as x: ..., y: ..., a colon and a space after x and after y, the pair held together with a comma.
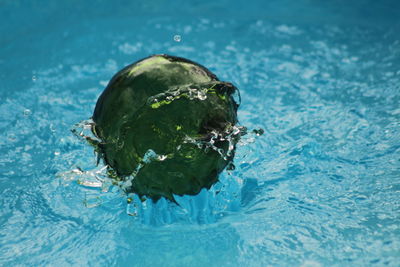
x: 34, y: 78
x: 27, y: 112
x: 177, y: 38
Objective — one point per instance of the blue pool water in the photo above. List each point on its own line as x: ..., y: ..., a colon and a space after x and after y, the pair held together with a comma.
x: 321, y: 187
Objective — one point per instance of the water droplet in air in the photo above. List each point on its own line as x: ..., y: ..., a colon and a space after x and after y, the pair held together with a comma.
x: 27, y: 112
x: 177, y: 38
x: 258, y: 131
x: 34, y: 78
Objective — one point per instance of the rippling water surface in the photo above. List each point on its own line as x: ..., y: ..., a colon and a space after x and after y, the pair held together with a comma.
x: 321, y: 187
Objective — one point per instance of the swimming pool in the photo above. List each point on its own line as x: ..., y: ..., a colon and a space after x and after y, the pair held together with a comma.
x: 321, y: 186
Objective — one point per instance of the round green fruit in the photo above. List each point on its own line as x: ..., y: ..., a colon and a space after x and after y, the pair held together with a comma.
x: 167, y: 125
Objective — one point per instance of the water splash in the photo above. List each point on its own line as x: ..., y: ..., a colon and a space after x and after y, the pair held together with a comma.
x: 177, y: 38
x: 208, y: 206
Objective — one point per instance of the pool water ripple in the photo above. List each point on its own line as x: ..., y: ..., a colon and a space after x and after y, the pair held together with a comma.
x: 319, y: 188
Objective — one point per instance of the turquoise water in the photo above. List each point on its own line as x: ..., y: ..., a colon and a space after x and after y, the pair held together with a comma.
x: 321, y: 187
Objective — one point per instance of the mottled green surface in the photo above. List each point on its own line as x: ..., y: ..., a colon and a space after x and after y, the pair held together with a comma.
x: 167, y: 122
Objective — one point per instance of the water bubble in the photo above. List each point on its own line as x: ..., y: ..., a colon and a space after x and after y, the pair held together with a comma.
x: 131, y: 210
x: 52, y: 128
x: 34, y: 78
x: 92, y: 202
x: 177, y: 38
x: 12, y: 137
x: 27, y: 112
